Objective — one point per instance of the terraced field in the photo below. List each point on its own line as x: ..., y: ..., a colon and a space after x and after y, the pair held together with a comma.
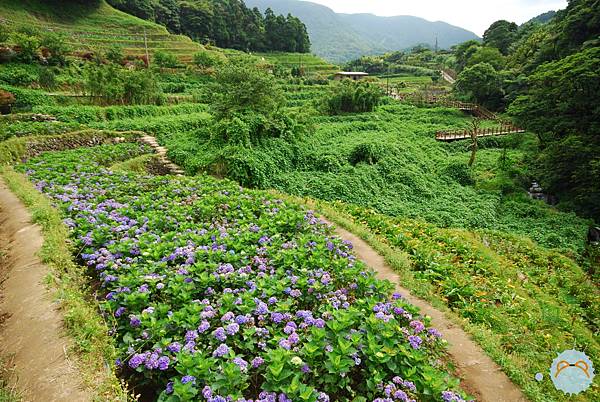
x: 312, y: 64
x: 98, y: 27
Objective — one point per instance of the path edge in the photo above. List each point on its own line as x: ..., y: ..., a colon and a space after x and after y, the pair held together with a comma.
x: 91, y: 348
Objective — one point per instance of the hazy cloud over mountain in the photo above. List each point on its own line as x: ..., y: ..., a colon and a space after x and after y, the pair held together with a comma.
x: 475, y: 15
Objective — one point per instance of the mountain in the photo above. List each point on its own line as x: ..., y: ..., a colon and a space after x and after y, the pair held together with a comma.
x: 343, y: 37
x: 543, y: 18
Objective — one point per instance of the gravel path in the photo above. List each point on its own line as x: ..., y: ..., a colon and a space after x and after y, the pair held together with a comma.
x: 481, y: 376
x: 31, y: 330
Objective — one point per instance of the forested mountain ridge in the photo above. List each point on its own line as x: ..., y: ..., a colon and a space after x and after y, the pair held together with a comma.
x: 343, y: 37
x: 226, y: 23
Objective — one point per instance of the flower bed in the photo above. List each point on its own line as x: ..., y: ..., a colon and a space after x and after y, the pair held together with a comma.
x: 218, y: 293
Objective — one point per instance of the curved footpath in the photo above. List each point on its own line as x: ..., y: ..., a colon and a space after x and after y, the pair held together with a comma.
x: 480, y: 376
x: 31, y: 335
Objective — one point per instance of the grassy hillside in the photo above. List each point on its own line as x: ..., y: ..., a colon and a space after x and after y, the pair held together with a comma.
x: 312, y: 64
x: 96, y: 26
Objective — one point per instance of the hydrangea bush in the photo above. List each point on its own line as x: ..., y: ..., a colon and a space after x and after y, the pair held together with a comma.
x: 218, y: 293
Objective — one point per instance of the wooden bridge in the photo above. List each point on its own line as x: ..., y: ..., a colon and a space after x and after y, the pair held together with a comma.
x: 505, y: 128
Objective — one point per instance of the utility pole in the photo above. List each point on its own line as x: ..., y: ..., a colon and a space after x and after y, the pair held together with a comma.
x: 436, y: 44
x: 146, y: 47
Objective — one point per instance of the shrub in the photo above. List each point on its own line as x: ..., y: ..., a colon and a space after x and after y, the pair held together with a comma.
x: 207, y: 59
x: 367, y: 152
x: 28, y: 98
x: 352, y: 97
x: 4, y: 33
x: 55, y: 44
x: 114, y: 54
x: 47, y: 78
x: 250, y: 128
x: 165, y: 60
x: 19, y: 74
x: 243, y: 87
x: 460, y: 173
x: 27, y: 47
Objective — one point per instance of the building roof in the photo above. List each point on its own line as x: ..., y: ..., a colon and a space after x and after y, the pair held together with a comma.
x: 352, y: 73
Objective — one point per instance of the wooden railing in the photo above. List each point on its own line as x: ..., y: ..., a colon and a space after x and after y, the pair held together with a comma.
x: 479, y: 111
x: 505, y: 128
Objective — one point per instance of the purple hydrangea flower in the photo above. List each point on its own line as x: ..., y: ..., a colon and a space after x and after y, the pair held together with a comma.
x: 232, y: 328
x: 241, y: 363
x: 221, y: 350
x: 134, y: 321
x: 174, y: 347
x: 137, y: 360
x: 257, y: 362
x: 204, y: 326
x: 188, y: 378
x: 163, y: 363
x: 220, y: 334
x: 415, y: 341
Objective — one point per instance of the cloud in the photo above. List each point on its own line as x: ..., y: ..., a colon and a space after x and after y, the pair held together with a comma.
x: 475, y: 15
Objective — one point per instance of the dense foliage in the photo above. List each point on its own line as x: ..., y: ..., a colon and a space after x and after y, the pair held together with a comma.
x: 214, y: 291
x: 111, y: 84
x: 549, y: 79
x: 352, y: 97
x: 227, y: 23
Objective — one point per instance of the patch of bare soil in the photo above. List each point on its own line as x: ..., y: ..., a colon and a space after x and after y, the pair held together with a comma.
x: 481, y: 377
x: 31, y: 329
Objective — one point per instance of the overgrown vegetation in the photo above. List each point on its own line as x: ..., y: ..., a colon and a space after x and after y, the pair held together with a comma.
x: 352, y: 97
x: 552, y: 70
x: 270, y: 322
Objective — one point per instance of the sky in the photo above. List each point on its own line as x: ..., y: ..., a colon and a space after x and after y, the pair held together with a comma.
x: 474, y: 15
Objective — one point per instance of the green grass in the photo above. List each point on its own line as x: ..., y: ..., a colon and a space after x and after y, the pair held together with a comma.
x: 312, y: 64
x: 96, y: 26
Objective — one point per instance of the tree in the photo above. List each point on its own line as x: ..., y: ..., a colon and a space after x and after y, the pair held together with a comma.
x: 463, y: 53
x: 482, y: 84
x: 562, y: 107
x: 501, y: 34
x: 489, y: 55
x: 563, y: 96
x: 242, y: 87
x: 580, y: 22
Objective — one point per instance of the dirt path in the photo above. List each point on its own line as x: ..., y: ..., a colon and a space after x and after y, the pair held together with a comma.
x: 481, y: 377
x: 31, y: 328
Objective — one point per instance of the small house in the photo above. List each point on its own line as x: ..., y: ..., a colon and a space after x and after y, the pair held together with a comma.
x: 352, y: 75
